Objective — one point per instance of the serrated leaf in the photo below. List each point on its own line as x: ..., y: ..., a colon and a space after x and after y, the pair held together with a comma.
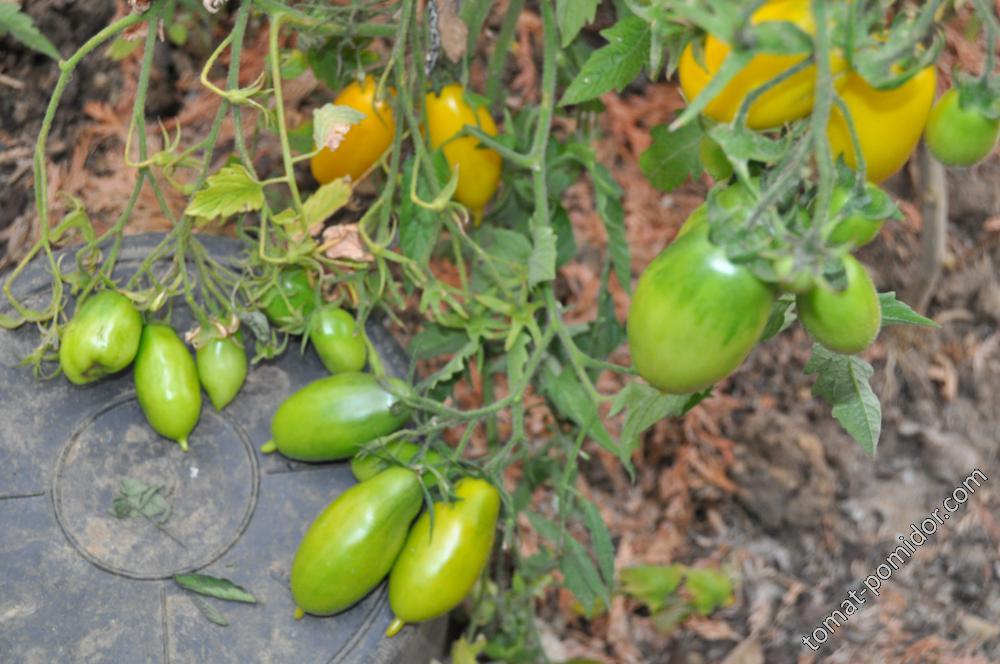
x: 331, y: 123
x: 613, y: 66
x: 608, y: 201
x: 709, y: 589
x: 434, y: 340
x: 565, y: 239
x: 782, y: 316
x: 646, y: 406
x: 672, y: 156
x: 21, y: 27
x: 203, y: 584
x: 578, y: 570
x: 419, y: 228
x: 325, y: 201
x: 600, y: 540
x: 209, y: 611
x: 230, y: 191
x: 842, y: 381
x: 897, y: 312
x: 572, y: 15
x: 652, y: 584
x: 542, y: 262
x: 571, y: 400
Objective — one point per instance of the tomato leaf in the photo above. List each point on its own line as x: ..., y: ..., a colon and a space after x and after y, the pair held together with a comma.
x: 566, y: 392
x: 608, y: 200
x: 578, y: 570
x: 203, y: 584
x: 782, y: 317
x: 434, y: 340
x: 572, y: 15
x: 209, y: 611
x: 228, y: 192
x: 842, y: 380
x: 325, y: 201
x: 565, y: 239
x: 647, y: 406
x: 21, y: 27
x: 613, y: 66
x: 672, y: 156
x: 652, y: 584
x: 896, y: 312
x: 419, y: 228
x: 709, y: 589
x: 600, y: 540
x: 542, y: 262
x: 605, y: 334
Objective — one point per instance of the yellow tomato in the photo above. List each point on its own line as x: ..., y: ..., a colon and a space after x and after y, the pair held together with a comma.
x: 888, y: 122
x: 364, y: 143
x: 478, y: 168
x: 789, y: 100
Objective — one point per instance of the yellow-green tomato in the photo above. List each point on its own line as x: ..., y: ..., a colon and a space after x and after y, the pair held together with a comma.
x: 844, y: 321
x: 338, y: 340
x: 222, y: 368
x: 166, y: 384
x: 101, y: 339
x: 478, y: 167
x: 353, y: 543
x: 439, y: 564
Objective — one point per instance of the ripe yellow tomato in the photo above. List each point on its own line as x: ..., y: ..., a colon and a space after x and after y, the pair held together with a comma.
x: 789, y: 100
x: 478, y: 168
x: 888, y: 122
x: 365, y: 142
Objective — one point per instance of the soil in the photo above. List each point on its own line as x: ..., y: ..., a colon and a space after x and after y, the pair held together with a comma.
x: 759, y: 479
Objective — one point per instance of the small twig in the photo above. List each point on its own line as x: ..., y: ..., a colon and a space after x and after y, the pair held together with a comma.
x: 11, y: 82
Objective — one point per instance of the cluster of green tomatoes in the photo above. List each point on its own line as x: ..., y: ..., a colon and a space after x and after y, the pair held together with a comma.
x: 369, y: 530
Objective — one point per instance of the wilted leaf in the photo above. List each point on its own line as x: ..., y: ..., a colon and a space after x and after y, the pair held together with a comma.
x: 203, y: 584
x: 344, y: 241
x: 331, y: 123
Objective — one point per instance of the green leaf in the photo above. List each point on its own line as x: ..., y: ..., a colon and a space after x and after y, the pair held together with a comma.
x: 613, y: 66
x: 203, y: 584
x: 209, y: 611
x: 419, y: 228
x: 565, y: 239
x: 578, y: 570
x: 608, y: 200
x: 646, y: 406
x: 228, y: 192
x: 121, y: 48
x: 710, y: 589
x: 136, y: 498
x: 600, y: 540
x: 542, y: 262
x: 605, y: 334
x: 325, y: 201
x: 780, y: 38
x: 672, y: 156
x: 294, y: 63
x: 897, y: 312
x: 177, y: 33
x: 572, y: 15
x: 434, y: 340
x: 842, y: 380
x: 300, y: 137
x: 782, y: 316
x: 652, y: 584
x: 20, y: 26
x: 572, y: 402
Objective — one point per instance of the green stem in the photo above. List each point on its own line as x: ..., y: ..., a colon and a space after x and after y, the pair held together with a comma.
x: 279, y: 110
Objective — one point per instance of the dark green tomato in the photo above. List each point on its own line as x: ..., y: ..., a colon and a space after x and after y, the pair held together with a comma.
x: 166, y: 383
x: 333, y: 417
x: 401, y: 451
x: 846, y: 321
x: 695, y: 315
x: 222, y: 369
x: 856, y: 229
x: 337, y: 339
x: 293, y: 297
x: 959, y: 136
x: 352, y: 544
x: 440, y: 562
x: 101, y: 339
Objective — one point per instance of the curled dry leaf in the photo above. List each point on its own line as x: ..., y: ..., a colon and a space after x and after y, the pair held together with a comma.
x: 213, y: 6
x: 140, y: 6
x: 454, y: 33
x: 344, y: 241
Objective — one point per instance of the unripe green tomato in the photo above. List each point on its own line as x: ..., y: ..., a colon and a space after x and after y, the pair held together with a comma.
x: 333, y: 417
x: 166, y: 384
x: 856, y: 229
x: 222, y: 368
x: 353, y: 543
x: 101, y: 339
x: 403, y: 451
x: 695, y: 315
x: 959, y: 136
x: 339, y: 343
x: 846, y: 321
x: 292, y: 297
x: 439, y: 565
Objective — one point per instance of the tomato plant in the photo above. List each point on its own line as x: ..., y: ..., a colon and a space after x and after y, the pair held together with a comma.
x: 960, y: 136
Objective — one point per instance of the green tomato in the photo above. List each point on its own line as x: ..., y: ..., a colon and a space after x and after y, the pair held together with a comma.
x: 695, y: 315
x: 734, y: 199
x: 844, y: 321
x: 166, y: 383
x: 352, y: 544
x: 222, y: 368
x: 339, y: 343
x: 440, y: 562
x: 101, y: 339
x: 401, y: 451
x: 333, y: 417
x: 959, y: 136
x: 291, y: 299
x: 856, y: 229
